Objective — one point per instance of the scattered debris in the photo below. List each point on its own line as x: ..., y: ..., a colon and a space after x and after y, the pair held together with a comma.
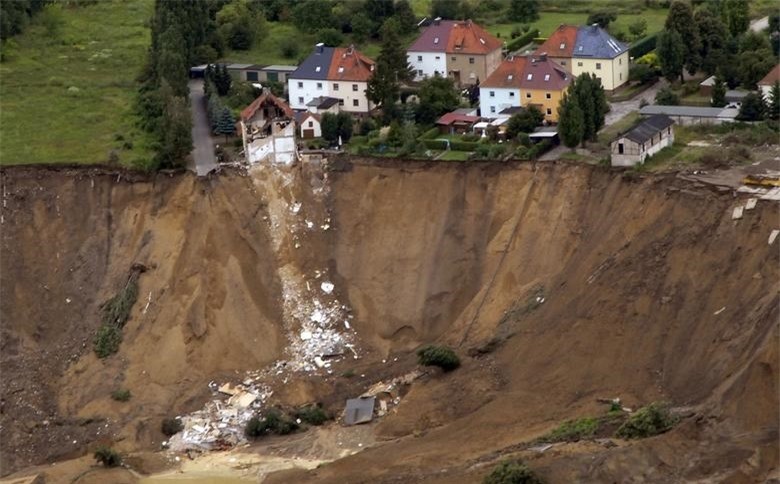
x: 719, y: 311
x: 540, y: 448
x: 737, y: 213
x: 751, y: 203
x: 773, y: 235
x: 359, y: 410
x: 327, y: 287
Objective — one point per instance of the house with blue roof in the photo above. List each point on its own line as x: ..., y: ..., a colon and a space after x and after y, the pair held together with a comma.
x: 589, y: 49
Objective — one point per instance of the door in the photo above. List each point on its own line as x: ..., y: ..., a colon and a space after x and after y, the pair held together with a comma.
x: 620, y: 148
x: 308, y: 133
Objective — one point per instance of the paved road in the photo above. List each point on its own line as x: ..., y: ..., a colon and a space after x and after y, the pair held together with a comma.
x: 619, y: 110
x: 759, y: 25
x: 203, y: 159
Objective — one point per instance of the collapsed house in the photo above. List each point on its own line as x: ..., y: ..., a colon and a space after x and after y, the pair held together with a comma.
x: 268, y: 131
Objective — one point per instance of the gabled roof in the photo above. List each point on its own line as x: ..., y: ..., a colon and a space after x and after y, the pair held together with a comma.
x: 301, y: 116
x: 544, y: 74
x: 348, y: 64
x: 648, y: 128
x: 561, y: 42
x: 455, y: 37
x: 316, y: 65
x: 453, y: 117
x: 265, y: 99
x: 593, y: 41
x: 323, y: 102
x: 772, y: 77
x: 507, y: 74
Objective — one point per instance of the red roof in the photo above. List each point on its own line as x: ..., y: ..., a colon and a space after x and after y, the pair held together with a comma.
x: 507, y: 74
x: 453, y: 117
x: 348, y: 64
x: 455, y: 37
x: 771, y: 78
x: 264, y: 99
x: 544, y: 74
x: 560, y: 43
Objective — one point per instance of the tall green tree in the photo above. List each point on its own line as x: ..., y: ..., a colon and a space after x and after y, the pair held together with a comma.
x: 524, y: 122
x: 437, y: 96
x: 718, y: 93
x: 773, y: 107
x: 313, y: 15
x: 407, y: 20
x: 671, y: 53
x: 240, y: 25
x: 638, y: 28
x: 379, y: 10
x: 680, y: 19
x: 226, y: 123
x: 446, y: 9
x: 736, y: 15
x: 602, y: 18
x: 714, y: 37
x: 570, y: 122
x: 586, y: 91
x: 390, y: 69
x: 752, y: 108
x: 523, y: 10
x: 176, y: 127
x: 362, y: 27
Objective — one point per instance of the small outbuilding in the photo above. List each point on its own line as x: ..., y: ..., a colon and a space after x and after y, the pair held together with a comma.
x: 687, y: 115
x: 457, y: 123
x: 359, y: 410
x: 643, y: 140
x: 308, y: 124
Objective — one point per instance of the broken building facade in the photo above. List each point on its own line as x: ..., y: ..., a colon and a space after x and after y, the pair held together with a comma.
x: 268, y: 131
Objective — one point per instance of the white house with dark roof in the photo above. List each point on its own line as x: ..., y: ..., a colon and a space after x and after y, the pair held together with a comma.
x: 642, y: 141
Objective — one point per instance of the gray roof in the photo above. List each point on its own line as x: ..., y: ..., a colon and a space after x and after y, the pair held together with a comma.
x: 648, y: 128
x: 593, y: 41
x: 691, y: 111
x: 544, y: 132
x: 512, y: 110
x: 239, y: 67
x: 316, y: 65
x: 359, y: 410
x: 276, y: 67
x: 323, y: 102
x: 734, y: 95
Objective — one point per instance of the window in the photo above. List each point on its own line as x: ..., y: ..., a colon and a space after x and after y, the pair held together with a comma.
x: 319, y: 86
x: 579, y: 64
x: 251, y: 76
x: 300, y: 85
x: 510, y: 77
x: 669, y: 130
x: 598, y: 66
x: 492, y: 93
x: 620, y: 61
x: 300, y: 100
x: 311, y: 124
x: 530, y: 77
x: 419, y: 58
x: 547, y: 95
x: 621, y: 76
x: 549, y: 112
x: 341, y: 69
x: 438, y: 57
x: 471, y: 60
x: 563, y: 62
x: 341, y: 102
x: 354, y: 87
x: 335, y: 86
x: 419, y: 72
x: 528, y: 95
x: 492, y: 109
x: 452, y: 58
x: 563, y: 45
x: 547, y: 77
x: 317, y: 69
x: 620, y: 148
x: 355, y: 102
x: 511, y: 94
x: 435, y: 40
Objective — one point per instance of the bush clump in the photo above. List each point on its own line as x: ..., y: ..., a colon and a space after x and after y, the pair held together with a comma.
x: 312, y: 415
x: 273, y: 423
x: 171, y: 426
x: 573, y: 430
x: 108, y: 457
x: 651, y: 420
x: 441, y: 356
x: 121, y: 395
x: 116, y: 312
x: 511, y: 472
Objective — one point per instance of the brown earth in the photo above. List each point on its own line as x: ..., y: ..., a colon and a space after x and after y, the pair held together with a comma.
x: 632, y: 271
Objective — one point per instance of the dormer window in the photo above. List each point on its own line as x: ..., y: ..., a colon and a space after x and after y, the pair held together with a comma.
x: 341, y: 69
x: 317, y: 69
x: 580, y: 48
x: 436, y: 40
x: 510, y: 77
x: 547, y: 77
x: 563, y: 45
x: 530, y: 77
x: 482, y: 40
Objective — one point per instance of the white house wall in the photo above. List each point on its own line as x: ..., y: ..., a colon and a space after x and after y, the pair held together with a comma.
x: 631, y: 159
x: 302, y: 91
x: 502, y: 98
x: 428, y: 62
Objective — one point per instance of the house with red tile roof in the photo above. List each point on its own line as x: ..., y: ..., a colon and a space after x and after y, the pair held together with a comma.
x: 501, y: 89
x: 460, y: 49
x: 337, y: 72
x: 765, y: 84
x: 588, y: 49
x: 268, y: 130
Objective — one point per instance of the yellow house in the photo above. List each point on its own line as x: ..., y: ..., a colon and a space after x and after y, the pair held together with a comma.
x: 613, y: 73
x: 543, y: 85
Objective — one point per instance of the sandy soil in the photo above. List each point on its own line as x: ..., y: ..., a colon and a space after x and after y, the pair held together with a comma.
x: 634, y: 273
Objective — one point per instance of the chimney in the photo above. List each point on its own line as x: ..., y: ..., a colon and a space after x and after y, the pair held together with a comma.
x: 319, y: 47
x: 437, y: 21
x: 351, y: 49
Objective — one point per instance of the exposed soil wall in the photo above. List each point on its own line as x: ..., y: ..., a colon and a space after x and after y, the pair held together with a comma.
x: 633, y: 275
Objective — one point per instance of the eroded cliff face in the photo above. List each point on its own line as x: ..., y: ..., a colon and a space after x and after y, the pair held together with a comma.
x: 633, y: 276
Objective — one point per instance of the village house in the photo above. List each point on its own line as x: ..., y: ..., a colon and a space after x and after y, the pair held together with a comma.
x: 765, y: 84
x: 308, y: 124
x: 457, y: 123
x: 642, y: 141
x: 589, y: 49
x: 459, y: 49
x: 268, y: 130
x: 324, y: 104
x: 336, y: 72
x: 501, y: 89
x: 542, y: 85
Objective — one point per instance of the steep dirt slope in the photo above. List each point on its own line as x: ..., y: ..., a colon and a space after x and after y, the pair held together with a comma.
x: 634, y: 275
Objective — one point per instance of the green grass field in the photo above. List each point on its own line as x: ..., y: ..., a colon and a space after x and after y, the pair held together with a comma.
x: 65, y: 99
x: 549, y: 21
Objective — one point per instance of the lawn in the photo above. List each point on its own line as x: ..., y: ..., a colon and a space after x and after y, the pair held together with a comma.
x: 67, y: 98
x: 452, y: 155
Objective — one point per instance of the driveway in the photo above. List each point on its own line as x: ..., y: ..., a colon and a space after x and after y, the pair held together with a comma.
x: 619, y: 110
x: 203, y: 159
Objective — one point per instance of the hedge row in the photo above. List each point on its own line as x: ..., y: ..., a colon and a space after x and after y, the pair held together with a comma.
x: 434, y: 144
x: 523, y: 40
x: 464, y: 145
x: 430, y: 134
x: 643, y: 46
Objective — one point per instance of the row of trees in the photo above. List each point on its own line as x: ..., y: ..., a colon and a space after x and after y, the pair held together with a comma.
x: 582, y: 111
x: 218, y: 83
x: 714, y: 39
x: 15, y: 15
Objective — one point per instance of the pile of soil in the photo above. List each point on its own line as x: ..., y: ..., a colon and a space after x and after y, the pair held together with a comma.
x: 557, y: 285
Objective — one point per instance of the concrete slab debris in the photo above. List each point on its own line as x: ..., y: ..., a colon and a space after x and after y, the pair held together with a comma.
x: 737, y: 213
x: 359, y: 410
x: 327, y: 287
x: 751, y: 203
x: 773, y: 235
x: 719, y: 311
